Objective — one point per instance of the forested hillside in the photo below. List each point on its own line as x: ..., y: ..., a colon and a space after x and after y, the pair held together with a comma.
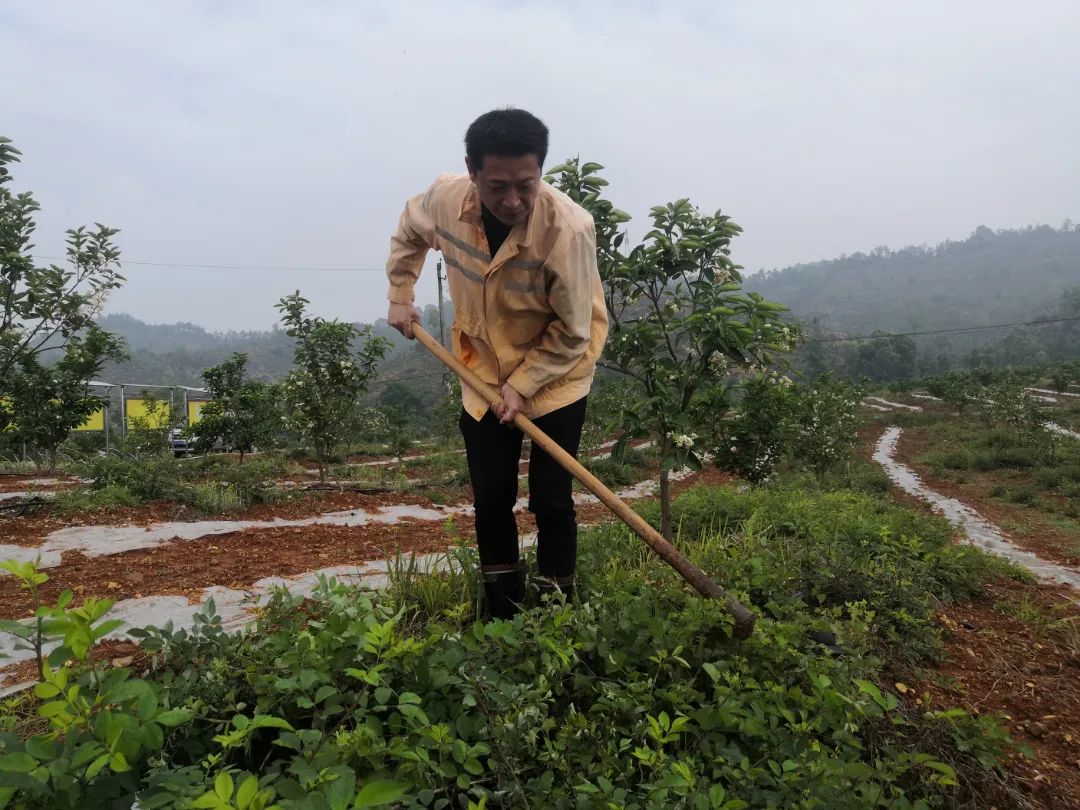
x: 990, y: 277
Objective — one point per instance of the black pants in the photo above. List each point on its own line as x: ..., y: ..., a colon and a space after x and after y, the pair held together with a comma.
x: 494, y: 452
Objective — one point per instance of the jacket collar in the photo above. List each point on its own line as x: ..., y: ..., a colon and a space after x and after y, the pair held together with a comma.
x: 520, y: 236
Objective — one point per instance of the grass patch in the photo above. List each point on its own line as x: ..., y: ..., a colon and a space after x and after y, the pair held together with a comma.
x: 212, y: 484
x: 111, y: 496
x: 635, y: 466
x: 1028, y: 611
x: 17, y: 467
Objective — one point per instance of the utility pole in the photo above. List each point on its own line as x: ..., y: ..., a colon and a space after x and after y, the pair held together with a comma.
x: 441, y: 278
x: 442, y: 324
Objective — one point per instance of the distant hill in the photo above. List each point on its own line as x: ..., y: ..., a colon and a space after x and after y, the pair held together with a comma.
x: 177, y: 353
x: 990, y: 277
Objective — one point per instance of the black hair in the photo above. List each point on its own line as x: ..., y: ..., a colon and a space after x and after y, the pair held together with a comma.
x: 508, y: 132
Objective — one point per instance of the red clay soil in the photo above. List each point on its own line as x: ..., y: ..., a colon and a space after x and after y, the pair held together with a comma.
x: 1028, y: 528
x: 32, y: 529
x: 233, y: 560
x: 239, y: 559
x: 19, y: 483
x: 995, y: 663
x: 1030, y: 676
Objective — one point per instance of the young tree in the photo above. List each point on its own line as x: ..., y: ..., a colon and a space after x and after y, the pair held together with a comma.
x: 148, y: 432
x: 49, y: 401
x: 754, y: 438
x: 241, y: 413
x: 679, y: 321
x: 47, y: 313
x: 44, y: 308
x: 825, y: 424
x: 328, y: 377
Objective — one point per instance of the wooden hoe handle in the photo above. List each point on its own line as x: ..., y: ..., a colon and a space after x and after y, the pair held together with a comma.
x: 744, y: 619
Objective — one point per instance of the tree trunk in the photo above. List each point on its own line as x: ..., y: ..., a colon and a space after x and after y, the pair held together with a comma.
x: 241, y: 455
x: 52, y: 460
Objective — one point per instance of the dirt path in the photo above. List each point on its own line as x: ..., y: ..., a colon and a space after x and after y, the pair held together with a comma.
x: 1013, y: 651
x: 978, y: 530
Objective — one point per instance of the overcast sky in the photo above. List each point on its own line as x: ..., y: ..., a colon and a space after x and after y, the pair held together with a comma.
x: 290, y: 134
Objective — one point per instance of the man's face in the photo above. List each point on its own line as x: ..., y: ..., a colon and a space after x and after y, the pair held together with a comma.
x: 508, y: 186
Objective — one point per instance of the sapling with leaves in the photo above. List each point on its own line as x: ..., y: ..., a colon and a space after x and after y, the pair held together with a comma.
x: 680, y: 323
x: 241, y: 413
x: 755, y: 435
x: 328, y: 375
x: 103, y: 725
x: 49, y: 400
x: 824, y: 424
x: 47, y: 312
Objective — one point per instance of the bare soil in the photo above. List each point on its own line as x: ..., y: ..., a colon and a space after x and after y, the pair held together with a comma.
x: 1029, y: 676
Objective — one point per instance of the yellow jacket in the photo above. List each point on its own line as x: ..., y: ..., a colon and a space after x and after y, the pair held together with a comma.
x: 534, y: 314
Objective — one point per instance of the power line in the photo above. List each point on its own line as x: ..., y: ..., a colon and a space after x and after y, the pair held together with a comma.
x: 942, y: 331
x: 232, y: 266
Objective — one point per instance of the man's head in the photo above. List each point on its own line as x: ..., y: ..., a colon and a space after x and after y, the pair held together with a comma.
x: 505, y: 150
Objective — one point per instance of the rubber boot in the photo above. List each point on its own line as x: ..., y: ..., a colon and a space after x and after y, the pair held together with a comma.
x: 504, y: 591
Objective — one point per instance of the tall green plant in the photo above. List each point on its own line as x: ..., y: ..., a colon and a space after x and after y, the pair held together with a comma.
x: 754, y: 437
x: 47, y: 312
x: 680, y: 322
x: 242, y: 414
x: 49, y: 400
x: 825, y: 424
x: 328, y: 376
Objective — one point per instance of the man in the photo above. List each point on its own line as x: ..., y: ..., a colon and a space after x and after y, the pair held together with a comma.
x: 529, y: 318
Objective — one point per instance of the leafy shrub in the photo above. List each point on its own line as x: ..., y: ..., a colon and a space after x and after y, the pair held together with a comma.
x: 860, y: 475
x: 210, y: 483
x: 753, y: 440
x: 825, y: 424
x: 147, y: 478
x: 81, y: 500
x: 633, y: 467
x: 215, y: 499
x: 1023, y: 495
x: 956, y: 460
x: 1065, y: 477
x: 837, y: 549
x: 1004, y: 457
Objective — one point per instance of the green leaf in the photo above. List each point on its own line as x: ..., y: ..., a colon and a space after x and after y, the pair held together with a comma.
x: 18, y: 629
x: 174, y: 717
x: 105, y: 628
x: 378, y: 793
x: 97, y: 765
x: 53, y: 709
x: 44, y: 691
x: 41, y: 747
x: 246, y: 792
x: 341, y: 791
x: 269, y: 721
x: 413, y: 713
x: 223, y: 786
x: 17, y: 762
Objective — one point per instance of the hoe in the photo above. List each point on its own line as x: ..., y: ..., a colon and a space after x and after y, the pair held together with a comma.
x: 744, y: 619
